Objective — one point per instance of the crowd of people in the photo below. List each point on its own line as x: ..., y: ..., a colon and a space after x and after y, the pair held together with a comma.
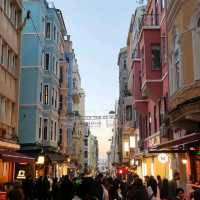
x: 101, y: 187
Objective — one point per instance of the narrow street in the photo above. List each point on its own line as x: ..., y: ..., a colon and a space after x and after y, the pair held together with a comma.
x: 99, y: 100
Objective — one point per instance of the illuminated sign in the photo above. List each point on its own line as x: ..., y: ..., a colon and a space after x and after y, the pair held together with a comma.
x: 40, y: 160
x: 163, y: 158
x: 21, y: 174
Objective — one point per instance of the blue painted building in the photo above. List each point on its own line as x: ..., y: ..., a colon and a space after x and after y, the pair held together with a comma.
x: 39, y: 87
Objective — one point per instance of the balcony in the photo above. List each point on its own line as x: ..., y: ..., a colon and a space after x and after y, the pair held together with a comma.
x: 185, y: 108
x: 149, y: 21
x: 150, y: 53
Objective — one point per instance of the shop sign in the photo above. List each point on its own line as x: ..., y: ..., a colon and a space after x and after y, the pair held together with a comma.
x: 163, y: 158
x: 3, y: 196
x: 154, y: 141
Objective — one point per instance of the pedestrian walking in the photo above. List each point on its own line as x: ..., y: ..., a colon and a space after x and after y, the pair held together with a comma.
x: 164, y: 190
x: 180, y: 194
x: 137, y: 191
x: 16, y: 193
x: 152, y: 188
x: 173, y: 185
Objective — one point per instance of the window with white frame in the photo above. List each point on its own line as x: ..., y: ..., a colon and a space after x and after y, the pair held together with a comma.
x: 53, y: 64
x: 3, y: 54
x: 52, y: 97
x: 45, y: 129
x: 54, y: 32
x: 56, y: 68
x: 46, y: 94
x: 196, y: 46
x: 51, y: 129
x: 55, y: 131
x: 56, y: 99
x: 40, y: 128
x: 41, y: 91
x: 48, y: 30
x: 47, y: 61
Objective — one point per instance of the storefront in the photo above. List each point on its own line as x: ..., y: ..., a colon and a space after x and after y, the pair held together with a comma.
x: 11, y: 163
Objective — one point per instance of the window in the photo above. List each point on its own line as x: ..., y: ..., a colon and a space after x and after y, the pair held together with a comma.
x: 155, y: 57
x: 124, y: 64
x: 55, y: 131
x: 162, y: 4
x: 56, y: 67
x: 9, y: 58
x: 56, y: 99
x: 177, y: 69
x: 198, y: 23
x: 51, y: 129
x: 48, y: 30
x: 47, y: 61
x: 53, y: 64
x: 61, y: 102
x: 149, y: 123
x: 45, y: 130
x: 61, y: 75
x: 60, y: 135
x: 58, y: 37
x: 128, y: 113
x: 86, y: 142
x: 3, y: 54
x: 54, y: 32
x: 14, y: 62
x: 41, y: 88
x: 85, y: 154
x: 164, y: 45
x: 5, y: 6
x: 52, y: 97
x: 46, y: 94
x: 155, y: 119
x: 40, y: 128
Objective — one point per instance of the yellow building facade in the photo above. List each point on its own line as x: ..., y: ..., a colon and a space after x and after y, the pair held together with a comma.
x: 183, y: 27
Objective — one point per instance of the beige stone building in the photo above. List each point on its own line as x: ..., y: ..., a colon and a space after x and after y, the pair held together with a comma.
x: 10, y: 22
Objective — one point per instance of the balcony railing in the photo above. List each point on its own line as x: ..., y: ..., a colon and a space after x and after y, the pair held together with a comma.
x: 149, y: 20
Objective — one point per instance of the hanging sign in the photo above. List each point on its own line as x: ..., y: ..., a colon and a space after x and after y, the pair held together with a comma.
x: 163, y: 158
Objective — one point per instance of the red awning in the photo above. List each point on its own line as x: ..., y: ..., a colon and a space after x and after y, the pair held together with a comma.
x: 16, y: 157
x: 180, y: 141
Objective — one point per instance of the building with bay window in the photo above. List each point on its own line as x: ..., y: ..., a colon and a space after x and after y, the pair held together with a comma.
x: 39, y: 85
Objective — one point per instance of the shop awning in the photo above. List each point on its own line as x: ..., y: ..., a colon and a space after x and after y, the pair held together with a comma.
x: 180, y: 141
x: 16, y: 157
x: 55, y: 157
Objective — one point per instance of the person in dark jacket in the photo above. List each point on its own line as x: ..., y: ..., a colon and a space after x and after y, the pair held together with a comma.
x: 137, y: 191
x: 153, y: 184
x: 90, y: 189
x: 180, y: 194
x: 55, y: 189
x: 67, y: 189
x: 16, y: 194
x: 46, y: 187
x: 164, y: 190
x: 172, y: 186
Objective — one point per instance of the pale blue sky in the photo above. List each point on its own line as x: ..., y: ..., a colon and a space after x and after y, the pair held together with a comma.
x: 98, y: 29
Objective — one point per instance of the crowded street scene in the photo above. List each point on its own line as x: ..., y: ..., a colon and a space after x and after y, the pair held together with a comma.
x: 99, y: 100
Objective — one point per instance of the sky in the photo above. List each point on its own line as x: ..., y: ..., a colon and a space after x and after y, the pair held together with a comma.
x: 98, y: 29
